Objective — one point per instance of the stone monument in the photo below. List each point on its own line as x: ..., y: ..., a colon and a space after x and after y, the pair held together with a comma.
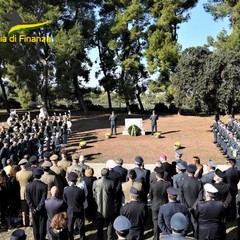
x: 133, y: 121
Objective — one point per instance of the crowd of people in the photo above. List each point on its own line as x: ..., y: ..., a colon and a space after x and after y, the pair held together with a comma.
x: 227, y: 138
x: 57, y: 194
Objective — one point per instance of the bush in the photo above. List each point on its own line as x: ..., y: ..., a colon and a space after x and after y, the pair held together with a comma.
x: 134, y: 130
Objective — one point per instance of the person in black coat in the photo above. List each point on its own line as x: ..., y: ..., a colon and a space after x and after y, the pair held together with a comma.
x: 90, y: 211
x: 136, y: 212
x: 158, y: 196
x: 36, y: 194
x: 191, y: 192
x: 233, y: 177
x: 74, y: 198
x: 169, y: 209
x: 121, y: 170
x: 209, y: 216
x: 153, y: 118
x: 53, y: 206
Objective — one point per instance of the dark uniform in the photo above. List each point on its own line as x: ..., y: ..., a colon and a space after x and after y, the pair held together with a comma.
x: 154, y: 119
x: 74, y: 197
x: 136, y: 212
x: 36, y: 194
x: 233, y: 177
x: 165, y: 214
x: 209, y: 216
x: 158, y: 195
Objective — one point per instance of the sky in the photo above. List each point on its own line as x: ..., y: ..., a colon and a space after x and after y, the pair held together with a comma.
x: 191, y: 34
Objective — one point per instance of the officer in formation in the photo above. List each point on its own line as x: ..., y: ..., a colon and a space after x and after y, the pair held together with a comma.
x: 227, y: 138
x: 29, y: 136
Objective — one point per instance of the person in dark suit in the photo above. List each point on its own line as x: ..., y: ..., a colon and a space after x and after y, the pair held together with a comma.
x: 209, y: 215
x: 121, y: 170
x: 74, y: 197
x: 113, y: 123
x: 233, y: 176
x: 191, y: 192
x: 169, y: 209
x: 168, y: 168
x: 153, y: 118
x: 36, y: 194
x: 53, y: 206
x: 122, y: 225
x: 136, y: 212
x: 178, y: 225
x: 158, y: 196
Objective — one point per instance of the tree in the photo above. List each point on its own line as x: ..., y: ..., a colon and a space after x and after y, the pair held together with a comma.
x: 230, y: 9
x: 162, y: 51
x: 209, y: 81
x: 127, y: 24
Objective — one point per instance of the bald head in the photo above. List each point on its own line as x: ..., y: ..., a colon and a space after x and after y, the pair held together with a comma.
x: 54, y: 191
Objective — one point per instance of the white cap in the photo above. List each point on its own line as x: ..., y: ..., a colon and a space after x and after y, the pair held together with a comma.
x: 210, y: 188
x: 111, y: 163
x: 81, y: 158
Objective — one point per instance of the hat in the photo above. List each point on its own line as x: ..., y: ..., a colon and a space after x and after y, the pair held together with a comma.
x: 37, y: 171
x: 219, y: 173
x: 46, y: 164
x: 180, y: 166
x: 122, y: 223
x: 33, y: 158
x: 178, y: 152
x: 111, y: 164
x: 159, y: 170
x: 75, y: 156
x: 40, y: 159
x: 139, y: 160
x: 191, y: 168
x: 178, y: 221
x: 22, y: 161
x: 54, y: 157
x: 132, y: 174
x: 163, y: 157
x: 81, y: 158
x: 172, y: 191
x: 46, y: 154
x: 211, y: 163
x: 134, y: 191
x: 18, y: 234
x: 72, y: 177
x: 208, y: 187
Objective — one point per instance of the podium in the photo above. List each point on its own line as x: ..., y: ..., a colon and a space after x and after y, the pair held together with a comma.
x: 133, y: 121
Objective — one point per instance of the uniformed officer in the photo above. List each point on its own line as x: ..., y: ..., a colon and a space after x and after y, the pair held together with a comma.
x: 154, y: 119
x: 169, y: 209
x: 18, y: 234
x: 233, y: 176
x: 136, y: 212
x: 209, y: 216
x: 113, y: 123
x: 178, y: 224
x: 122, y: 225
